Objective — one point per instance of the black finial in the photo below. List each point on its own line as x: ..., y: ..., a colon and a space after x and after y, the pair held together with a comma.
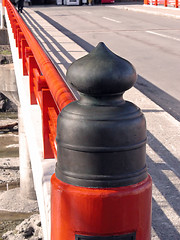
x: 101, y: 72
x: 101, y: 138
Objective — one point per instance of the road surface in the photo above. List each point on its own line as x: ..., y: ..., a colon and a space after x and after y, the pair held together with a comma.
x: 151, y: 43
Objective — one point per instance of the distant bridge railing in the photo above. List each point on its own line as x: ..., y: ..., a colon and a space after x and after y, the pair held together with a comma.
x: 165, y: 3
x: 47, y: 87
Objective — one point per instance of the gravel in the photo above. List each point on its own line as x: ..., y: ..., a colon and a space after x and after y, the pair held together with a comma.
x: 29, y: 229
x: 14, y: 208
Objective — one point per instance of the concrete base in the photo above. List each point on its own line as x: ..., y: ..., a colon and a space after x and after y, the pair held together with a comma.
x: 7, y: 73
x: 26, y: 176
x: 8, y: 87
x: 4, y: 39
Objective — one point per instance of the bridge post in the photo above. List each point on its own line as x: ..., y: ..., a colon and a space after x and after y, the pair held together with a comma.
x: 26, y: 177
x: 2, y: 14
x: 101, y: 189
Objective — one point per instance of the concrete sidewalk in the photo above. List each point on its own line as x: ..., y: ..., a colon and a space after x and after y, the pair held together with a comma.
x: 163, y: 154
x: 149, y: 9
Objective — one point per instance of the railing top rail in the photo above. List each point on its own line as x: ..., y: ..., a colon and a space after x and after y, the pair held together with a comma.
x: 53, y: 78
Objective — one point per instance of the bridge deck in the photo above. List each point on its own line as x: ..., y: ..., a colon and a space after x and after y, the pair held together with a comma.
x: 163, y: 135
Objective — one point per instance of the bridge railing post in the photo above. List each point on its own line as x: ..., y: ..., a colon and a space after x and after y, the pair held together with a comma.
x: 176, y: 3
x: 101, y: 189
x: 2, y: 14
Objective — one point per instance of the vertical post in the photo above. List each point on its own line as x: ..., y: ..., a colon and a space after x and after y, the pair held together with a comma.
x: 101, y: 189
x: 32, y: 65
x: 2, y: 15
x: 47, y: 102
x: 26, y: 177
x: 24, y: 44
x: 176, y: 3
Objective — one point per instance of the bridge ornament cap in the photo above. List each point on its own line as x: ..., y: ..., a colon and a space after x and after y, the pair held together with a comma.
x: 101, y: 138
x: 101, y: 73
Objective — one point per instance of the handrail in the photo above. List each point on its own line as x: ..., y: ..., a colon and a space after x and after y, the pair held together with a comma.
x: 166, y: 3
x: 47, y: 87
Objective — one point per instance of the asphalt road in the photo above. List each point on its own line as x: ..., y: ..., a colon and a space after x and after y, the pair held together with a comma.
x: 151, y: 43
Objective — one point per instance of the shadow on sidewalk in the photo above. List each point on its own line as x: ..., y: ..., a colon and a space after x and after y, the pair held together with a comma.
x: 164, y: 169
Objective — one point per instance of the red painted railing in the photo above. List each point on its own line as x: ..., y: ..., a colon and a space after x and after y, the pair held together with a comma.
x: 47, y: 87
x: 165, y: 3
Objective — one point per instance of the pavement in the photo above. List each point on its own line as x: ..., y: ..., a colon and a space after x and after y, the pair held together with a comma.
x: 150, y: 9
x: 163, y: 154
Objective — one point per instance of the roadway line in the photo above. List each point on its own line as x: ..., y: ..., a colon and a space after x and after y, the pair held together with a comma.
x: 163, y: 35
x: 86, y: 12
x: 110, y: 19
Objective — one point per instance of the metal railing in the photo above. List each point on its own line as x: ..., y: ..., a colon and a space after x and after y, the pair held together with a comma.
x: 165, y: 3
x: 47, y: 88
